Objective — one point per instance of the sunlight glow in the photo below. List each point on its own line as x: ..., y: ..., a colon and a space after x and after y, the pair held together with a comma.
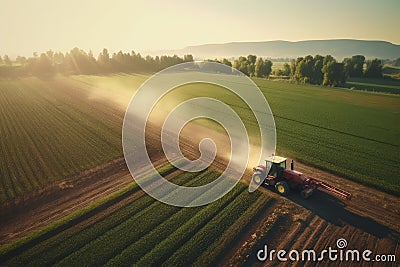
x: 36, y: 26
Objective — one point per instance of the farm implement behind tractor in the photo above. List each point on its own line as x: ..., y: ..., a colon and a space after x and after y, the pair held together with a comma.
x: 284, y: 180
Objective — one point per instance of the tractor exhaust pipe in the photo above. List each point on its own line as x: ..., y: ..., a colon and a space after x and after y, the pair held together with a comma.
x: 292, y: 165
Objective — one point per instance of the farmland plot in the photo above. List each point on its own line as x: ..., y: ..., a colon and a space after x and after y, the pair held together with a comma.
x: 324, y: 127
x: 47, y: 134
x: 149, y: 232
x: 52, y: 129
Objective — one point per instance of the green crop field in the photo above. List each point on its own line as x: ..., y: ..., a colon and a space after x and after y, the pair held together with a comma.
x: 51, y: 129
x: 350, y: 133
x: 392, y: 71
x: 55, y: 128
x: 146, y: 232
x: 375, y: 85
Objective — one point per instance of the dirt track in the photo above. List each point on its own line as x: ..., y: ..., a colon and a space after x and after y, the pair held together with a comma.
x: 59, y: 200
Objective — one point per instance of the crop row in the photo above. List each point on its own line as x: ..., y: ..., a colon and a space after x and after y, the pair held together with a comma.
x: 350, y: 133
x: 158, y: 244
x: 225, y: 241
x: 51, y: 129
x: 353, y: 134
x: 105, y: 246
x: 60, y: 246
x: 206, y: 236
x: 150, y: 232
x: 44, y: 139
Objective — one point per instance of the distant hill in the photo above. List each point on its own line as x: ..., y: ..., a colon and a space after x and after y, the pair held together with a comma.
x: 339, y: 48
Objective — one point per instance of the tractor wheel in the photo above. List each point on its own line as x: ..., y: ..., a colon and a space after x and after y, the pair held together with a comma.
x: 257, y: 177
x: 282, y: 188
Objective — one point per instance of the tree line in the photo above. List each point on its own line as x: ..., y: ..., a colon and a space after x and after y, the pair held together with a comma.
x: 250, y: 65
x: 77, y: 61
x: 326, y: 70
x: 323, y: 70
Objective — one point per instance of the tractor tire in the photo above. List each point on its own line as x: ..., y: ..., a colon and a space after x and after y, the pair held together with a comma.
x: 282, y: 188
x: 258, y: 177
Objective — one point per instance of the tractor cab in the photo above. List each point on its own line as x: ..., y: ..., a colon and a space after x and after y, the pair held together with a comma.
x: 277, y: 166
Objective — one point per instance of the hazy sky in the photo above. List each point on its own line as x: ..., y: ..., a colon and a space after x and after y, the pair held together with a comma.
x: 27, y: 26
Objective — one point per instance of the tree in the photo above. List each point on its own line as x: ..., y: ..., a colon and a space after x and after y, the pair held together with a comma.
x: 50, y: 56
x: 252, y: 59
x: 308, y: 68
x: 317, y: 75
x: 7, y: 60
x: 293, y: 64
x: 250, y: 63
x: 304, y: 69
x: 42, y: 65
x: 373, y: 69
x: 241, y: 65
x: 286, y: 69
x: 250, y: 69
x: 21, y: 60
x: 354, y: 66
x: 295, y: 69
x: 328, y: 59
x: 334, y: 73
x: 263, y: 68
x: 267, y: 67
x: 226, y: 62
x: 79, y: 62
x: 358, y: 67
x: 188, y: 58
x: 259, y: 69
x: 59, y: 62
x: 104, y: 59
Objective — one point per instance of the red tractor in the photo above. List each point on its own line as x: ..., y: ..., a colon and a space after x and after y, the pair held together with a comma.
x: 285, y: 180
